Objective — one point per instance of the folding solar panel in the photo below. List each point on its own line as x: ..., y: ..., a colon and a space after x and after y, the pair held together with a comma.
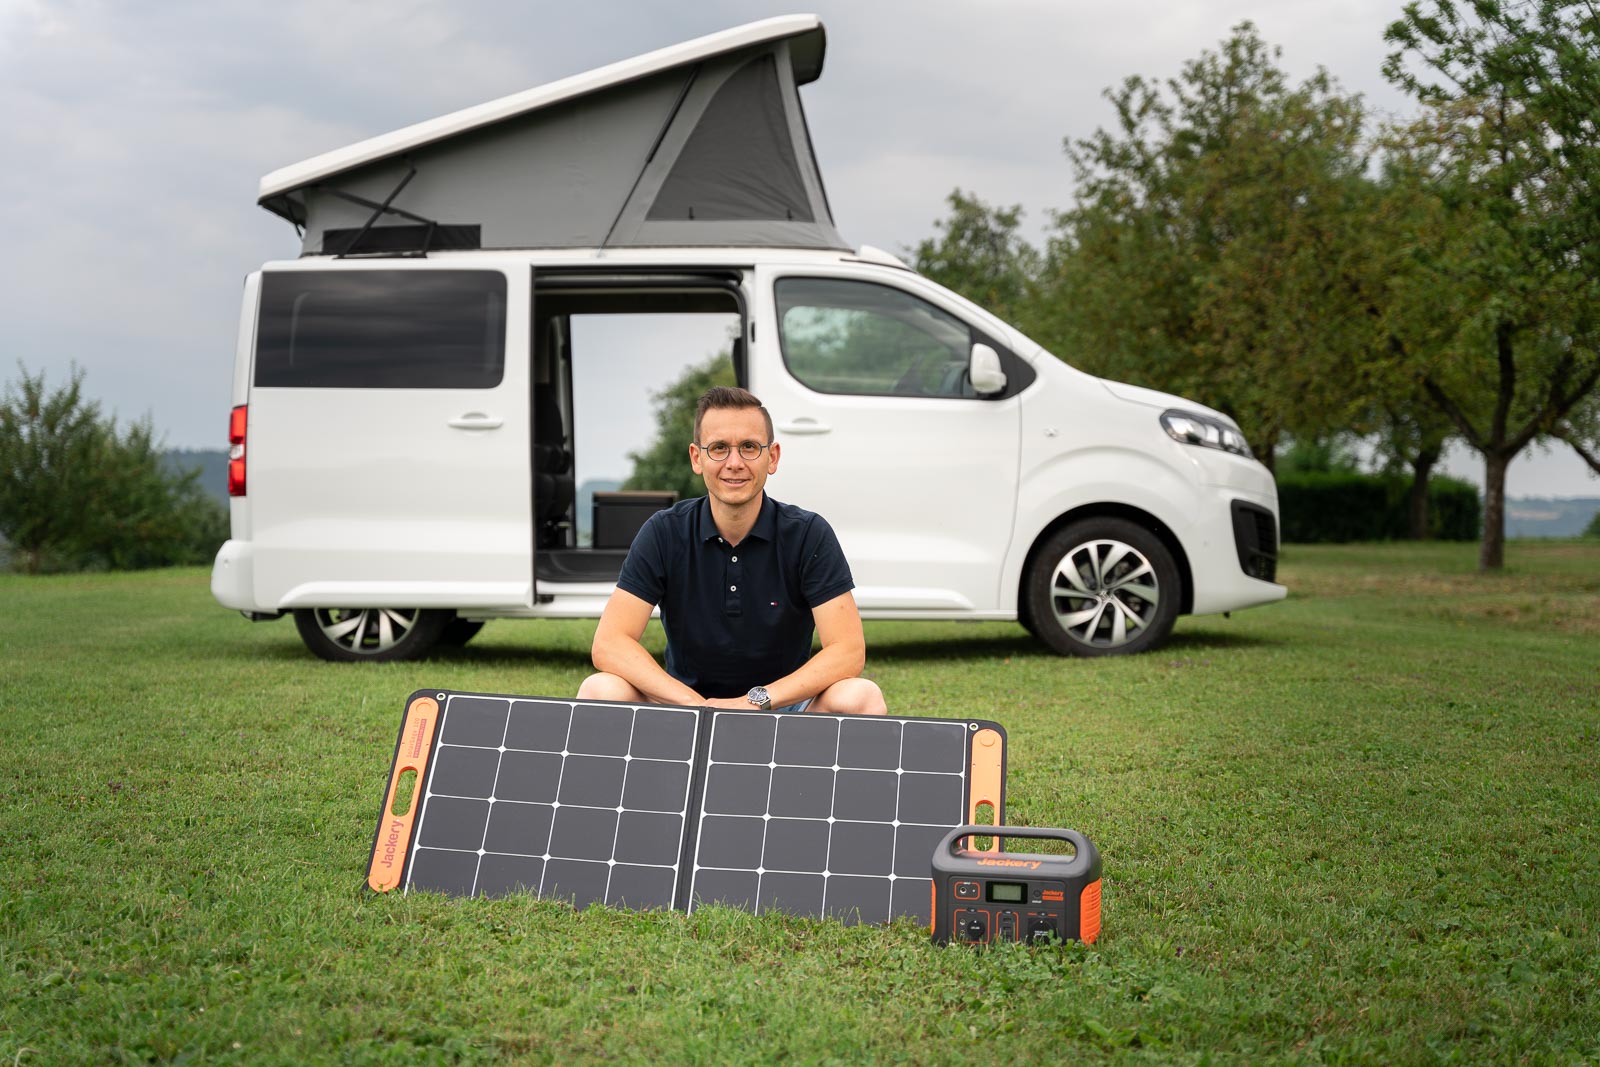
x: 653, y: 806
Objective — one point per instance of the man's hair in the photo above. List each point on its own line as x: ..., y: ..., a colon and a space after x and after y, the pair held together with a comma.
x: 728, y: 396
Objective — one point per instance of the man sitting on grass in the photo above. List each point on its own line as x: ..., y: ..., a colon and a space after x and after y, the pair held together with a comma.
x: 741, y: 581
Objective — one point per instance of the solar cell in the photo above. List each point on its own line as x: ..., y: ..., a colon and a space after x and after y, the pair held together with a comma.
x: 658, y: 807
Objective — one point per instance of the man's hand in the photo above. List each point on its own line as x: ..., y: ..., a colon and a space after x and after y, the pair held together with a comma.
x: 730, y: 703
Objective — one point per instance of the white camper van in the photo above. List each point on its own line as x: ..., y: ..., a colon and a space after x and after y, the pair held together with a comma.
x: 410, y: 395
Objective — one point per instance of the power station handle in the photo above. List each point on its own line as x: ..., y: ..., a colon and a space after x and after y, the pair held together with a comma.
x: 1086, y: 856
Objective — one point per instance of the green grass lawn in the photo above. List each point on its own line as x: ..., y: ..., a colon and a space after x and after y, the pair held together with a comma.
x: 1355, y: 827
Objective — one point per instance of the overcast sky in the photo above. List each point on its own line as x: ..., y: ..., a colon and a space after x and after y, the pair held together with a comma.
x: 136, y: 133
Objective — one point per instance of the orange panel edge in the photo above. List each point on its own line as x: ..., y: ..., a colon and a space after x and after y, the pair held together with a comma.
x: 988, y: 778
x: 394, y: 834
x: 1089, y: 913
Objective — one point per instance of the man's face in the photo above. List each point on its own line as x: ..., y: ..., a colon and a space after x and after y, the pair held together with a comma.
x: 735, y: 480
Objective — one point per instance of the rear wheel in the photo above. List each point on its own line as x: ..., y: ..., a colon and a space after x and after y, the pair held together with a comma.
x: 378, y: 635
x: 1102, y: 587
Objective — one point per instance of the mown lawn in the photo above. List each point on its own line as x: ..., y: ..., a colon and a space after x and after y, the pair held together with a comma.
x: 1355, y: 827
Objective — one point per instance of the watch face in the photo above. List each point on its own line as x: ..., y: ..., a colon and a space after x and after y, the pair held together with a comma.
x: 758, y: 697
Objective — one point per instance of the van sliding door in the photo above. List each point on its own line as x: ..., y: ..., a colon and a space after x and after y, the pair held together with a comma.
x: 388, y: 441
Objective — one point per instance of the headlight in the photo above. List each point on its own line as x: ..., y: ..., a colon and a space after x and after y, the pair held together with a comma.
x: 1205, y: 431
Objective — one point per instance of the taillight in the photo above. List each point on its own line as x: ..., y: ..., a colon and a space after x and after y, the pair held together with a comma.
x: 236, y: 427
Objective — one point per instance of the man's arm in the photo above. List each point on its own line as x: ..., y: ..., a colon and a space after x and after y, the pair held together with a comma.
x: 617, y: 651
x: 843, y: 654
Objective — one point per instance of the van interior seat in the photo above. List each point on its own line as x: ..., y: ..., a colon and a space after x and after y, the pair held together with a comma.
x: 553, y: 486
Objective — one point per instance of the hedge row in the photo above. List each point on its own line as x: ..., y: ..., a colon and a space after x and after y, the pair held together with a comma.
x: 1336, y: 506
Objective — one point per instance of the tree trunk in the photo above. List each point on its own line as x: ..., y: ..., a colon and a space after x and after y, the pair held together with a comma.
x: 1421, y: 471
x: 1492, y: 551
x: 1269, y: 454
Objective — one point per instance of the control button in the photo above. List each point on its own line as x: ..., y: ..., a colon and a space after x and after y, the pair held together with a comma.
x: 966, y: 890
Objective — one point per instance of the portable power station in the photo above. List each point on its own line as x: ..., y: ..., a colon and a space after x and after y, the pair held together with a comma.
x: 980, y: 898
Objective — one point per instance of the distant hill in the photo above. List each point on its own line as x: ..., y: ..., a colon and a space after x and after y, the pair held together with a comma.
x: 212, y: 464
x: 585, y: 506
x: 1533, y: 516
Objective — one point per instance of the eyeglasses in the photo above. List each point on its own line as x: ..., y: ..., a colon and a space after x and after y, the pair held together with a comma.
x: 749, y: 451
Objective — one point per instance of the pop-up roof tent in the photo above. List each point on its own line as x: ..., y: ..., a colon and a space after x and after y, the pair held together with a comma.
x: 702, y: 143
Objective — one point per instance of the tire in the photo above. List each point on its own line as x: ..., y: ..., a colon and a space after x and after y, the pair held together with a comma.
x: 1025, y: 615
x: 459, y: 631
x: 370, y: 635
x: 1102, y: 587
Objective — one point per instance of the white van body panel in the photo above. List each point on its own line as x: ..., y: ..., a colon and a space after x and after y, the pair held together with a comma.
x: 1096, y: 447
x: 233, y: 574
x: 372, y: 498
x: 389, y: 497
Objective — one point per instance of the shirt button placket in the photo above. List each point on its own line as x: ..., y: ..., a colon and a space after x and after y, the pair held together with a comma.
x: 733, y: 604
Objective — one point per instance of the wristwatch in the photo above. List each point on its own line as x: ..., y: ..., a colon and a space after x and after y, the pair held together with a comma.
x: 758, y: 697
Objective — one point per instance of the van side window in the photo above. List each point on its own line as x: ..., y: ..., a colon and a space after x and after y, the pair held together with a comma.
x: 857, y: 337
x: 382, y: 329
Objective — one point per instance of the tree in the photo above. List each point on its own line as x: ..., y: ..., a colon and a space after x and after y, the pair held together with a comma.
x: 665, y: 463
x: 49, y: 443
x: 1511, y: 154
x: 1581, y: 431
x: 980, y: 255
x: 1412, y: 435
x: 76, y: 493
x: 1212, y: 243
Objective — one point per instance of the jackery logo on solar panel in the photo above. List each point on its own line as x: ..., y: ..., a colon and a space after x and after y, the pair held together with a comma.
x: 391, y: 843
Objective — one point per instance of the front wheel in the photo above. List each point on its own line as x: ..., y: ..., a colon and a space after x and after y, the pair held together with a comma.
x: 1102, y: 587
x: 377, y: 635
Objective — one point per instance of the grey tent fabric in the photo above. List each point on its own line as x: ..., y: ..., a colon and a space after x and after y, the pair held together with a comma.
x: 737, y: 164
x: 710, y: 148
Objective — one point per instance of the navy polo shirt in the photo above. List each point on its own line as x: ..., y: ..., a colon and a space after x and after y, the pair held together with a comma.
x: 735, y: 617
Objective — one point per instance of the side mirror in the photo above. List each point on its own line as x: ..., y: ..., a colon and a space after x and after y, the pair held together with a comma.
x: 984, y: 371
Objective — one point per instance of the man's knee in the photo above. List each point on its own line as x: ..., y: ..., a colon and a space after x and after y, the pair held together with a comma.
x: 604, y: 686
x: 852, y: 696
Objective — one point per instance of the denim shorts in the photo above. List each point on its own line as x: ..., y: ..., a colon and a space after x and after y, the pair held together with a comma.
x: 796, y: 707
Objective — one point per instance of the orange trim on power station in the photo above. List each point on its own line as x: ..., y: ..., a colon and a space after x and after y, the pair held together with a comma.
x: 988, y: 779
x: 1089, y: 912
x: 394, y: 835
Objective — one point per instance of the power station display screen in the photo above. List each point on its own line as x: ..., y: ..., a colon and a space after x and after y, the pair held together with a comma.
x: 1006, y: 892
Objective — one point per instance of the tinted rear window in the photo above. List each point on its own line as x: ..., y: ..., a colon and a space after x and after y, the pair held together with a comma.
x: 382, y: 329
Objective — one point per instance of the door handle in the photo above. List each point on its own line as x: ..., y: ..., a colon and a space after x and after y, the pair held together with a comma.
x: 803, y: 426
x: 476, y: 420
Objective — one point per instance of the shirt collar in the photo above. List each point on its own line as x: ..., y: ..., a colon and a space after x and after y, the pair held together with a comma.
x: 766, y: 526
